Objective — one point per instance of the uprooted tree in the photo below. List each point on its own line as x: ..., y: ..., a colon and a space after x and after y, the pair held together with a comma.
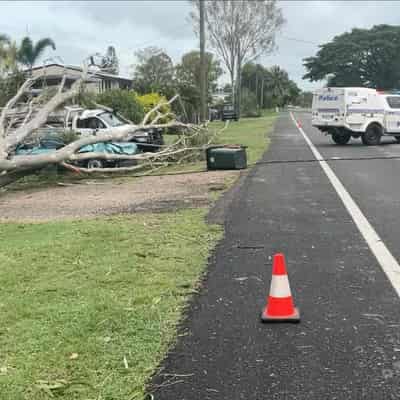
x: 22, y: 123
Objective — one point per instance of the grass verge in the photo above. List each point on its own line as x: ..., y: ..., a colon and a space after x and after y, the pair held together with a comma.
x: 89, y: 308
x: 250, y: 132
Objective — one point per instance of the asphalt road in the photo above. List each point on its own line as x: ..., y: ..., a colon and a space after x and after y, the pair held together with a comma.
x: 347, y: 345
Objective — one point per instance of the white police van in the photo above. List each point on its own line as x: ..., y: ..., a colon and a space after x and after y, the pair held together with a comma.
x: 355, y: 112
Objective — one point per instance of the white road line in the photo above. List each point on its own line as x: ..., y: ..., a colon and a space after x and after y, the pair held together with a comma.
x: 385, y: 258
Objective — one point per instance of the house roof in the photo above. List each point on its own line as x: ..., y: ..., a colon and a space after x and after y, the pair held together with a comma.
x: 79, y: 69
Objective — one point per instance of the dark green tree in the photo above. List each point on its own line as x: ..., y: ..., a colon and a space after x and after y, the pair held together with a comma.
x: 256, y: 78
x: 362, y: 57
x: 154, y: 72
x: 292, y: 93
x: 248, y: 104
x: 188, y: 80
x: 29, y: 53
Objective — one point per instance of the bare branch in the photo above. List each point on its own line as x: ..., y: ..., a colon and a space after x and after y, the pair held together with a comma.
x: 241, y: 30
x: 161, y: 116
x: 29, y: 113
x: 25, y: 130
x: 157, y: 107
x: 35, y: 114
x: 61, y: 87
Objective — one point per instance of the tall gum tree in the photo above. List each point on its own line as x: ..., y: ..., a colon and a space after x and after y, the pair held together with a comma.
x: 240, y: 31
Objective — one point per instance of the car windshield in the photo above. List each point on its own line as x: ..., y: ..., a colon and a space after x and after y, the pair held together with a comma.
x: 393, y: 101
x: 111, y: 119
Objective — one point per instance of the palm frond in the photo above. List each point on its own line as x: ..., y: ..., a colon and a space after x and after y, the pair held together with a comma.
x: 41, y: 45
x: 25, y: 51
x: 29, y: 52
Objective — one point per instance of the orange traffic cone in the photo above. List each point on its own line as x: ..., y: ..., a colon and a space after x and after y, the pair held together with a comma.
x: 280, y: 306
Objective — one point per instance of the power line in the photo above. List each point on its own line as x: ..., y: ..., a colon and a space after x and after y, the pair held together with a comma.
x: 313, y: 160
x: 179, y: 29
x: 299, y: 40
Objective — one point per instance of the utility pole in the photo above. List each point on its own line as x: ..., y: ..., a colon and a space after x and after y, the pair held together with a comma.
x: 238, y: 82
x: 203, y: 74
x: 262, y: 94
x: 257, y: 88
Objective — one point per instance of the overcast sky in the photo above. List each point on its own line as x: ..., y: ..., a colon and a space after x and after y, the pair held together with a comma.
x: 85, y: 27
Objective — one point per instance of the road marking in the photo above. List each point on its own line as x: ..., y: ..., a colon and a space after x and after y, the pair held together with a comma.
x: 385, y: 258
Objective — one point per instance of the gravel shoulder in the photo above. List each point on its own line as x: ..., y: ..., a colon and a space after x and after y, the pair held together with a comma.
x: 94, y: 198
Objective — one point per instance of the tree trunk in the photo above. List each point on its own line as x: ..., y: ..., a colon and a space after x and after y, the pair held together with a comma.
x: 233, y: 87
x: 257, y: 89
x: 238, y: 83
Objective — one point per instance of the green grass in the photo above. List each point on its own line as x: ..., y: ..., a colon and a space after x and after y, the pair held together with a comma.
x: 250, y: 132
x: 80, y: 297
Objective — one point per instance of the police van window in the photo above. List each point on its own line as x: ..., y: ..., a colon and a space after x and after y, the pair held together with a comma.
x: 393, y: 101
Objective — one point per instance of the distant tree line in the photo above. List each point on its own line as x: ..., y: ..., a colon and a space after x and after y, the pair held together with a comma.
x: 267, y: 87
x: 155, y: 72
x: 156, y: 75
x: 262, y: 87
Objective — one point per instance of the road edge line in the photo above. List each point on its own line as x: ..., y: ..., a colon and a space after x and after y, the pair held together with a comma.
x: 388, y: 263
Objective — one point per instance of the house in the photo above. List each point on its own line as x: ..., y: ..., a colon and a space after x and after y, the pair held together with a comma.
x: 96, y: 82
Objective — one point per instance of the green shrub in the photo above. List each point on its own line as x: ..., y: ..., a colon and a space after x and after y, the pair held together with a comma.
x: 87, y: 99
x: 150, y: 100
x: 123, y: 102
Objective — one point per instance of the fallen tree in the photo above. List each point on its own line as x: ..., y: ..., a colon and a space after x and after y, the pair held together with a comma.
x: 37, y: 111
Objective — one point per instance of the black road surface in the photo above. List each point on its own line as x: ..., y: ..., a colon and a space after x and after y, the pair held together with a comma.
x: 347, y: 345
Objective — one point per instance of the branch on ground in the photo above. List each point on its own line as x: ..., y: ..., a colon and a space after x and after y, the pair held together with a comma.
x: 38, y: 110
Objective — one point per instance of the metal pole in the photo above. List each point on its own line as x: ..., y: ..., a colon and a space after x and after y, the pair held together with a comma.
x: 262, y: 94
x: 203, y: 72
x: 257, y: 88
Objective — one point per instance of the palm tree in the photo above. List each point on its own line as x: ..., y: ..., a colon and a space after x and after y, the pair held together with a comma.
x: 28, y: 53
x: 278, y: 83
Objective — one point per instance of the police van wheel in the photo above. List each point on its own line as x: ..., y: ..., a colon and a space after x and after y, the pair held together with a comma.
x: 372, y: 136
x: 340, y: 137
x: 397, y: 139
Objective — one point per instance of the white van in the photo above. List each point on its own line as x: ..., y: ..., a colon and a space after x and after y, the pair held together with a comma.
x: 355, y: 112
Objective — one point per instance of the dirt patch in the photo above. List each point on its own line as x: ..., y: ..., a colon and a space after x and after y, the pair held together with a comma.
x: 93, y: 198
